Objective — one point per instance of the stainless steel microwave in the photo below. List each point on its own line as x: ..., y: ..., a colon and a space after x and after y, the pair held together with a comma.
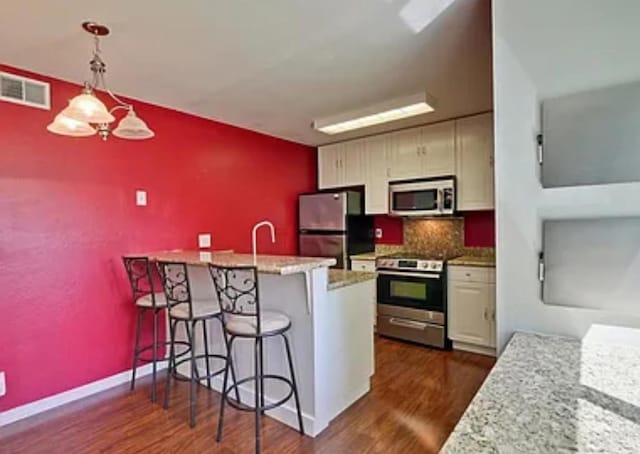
x: 433, y: 197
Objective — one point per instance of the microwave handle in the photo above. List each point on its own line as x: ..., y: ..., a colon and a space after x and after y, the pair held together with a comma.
x: 440, y: 200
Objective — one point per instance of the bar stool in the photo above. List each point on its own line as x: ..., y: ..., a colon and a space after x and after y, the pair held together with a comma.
x: 146, y: 299
x: 183, y: 308
x: 237, y: 289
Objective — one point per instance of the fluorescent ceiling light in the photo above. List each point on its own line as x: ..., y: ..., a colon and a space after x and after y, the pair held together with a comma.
x: 396, y: 109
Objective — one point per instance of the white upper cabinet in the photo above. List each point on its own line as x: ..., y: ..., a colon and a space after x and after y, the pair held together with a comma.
x: 423, y: 152
x: 405, y: 154
x: 438, y: 149
x: 461, y: 147
x: 341, y: 164
x: 474, y: 162
x: 376, y: 186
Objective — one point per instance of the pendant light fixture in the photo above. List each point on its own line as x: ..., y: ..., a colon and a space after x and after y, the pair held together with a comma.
x: 86, y: 115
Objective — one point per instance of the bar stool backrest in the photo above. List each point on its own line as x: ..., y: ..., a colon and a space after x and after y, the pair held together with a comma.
x: 175, y: 281
x: 140, y: 277
x: 237, y: 290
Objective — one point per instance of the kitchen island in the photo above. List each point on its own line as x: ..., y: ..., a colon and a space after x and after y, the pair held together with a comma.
x: 555, y: 394
x: 331, y: 334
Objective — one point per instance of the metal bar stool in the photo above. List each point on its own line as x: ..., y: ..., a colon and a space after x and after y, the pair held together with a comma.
x: 139, y: 271
x: 237, y: 289
x: 183, y: 308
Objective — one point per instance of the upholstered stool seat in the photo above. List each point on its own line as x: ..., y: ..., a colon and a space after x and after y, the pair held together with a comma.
x: 147, y: 300
x: 201, y: 309
x: 271, y: 322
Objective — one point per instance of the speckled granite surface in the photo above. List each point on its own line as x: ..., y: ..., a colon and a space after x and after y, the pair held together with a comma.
x: 470, y: 260
x: 272, y: 264
x: 370, y: 256
x: 343, y: 278
x: 549, y: 394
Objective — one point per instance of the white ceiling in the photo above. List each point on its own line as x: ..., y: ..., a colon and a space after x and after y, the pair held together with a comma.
x: 271, y: 66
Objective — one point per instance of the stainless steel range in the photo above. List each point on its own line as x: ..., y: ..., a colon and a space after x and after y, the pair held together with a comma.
x: 412, y: 300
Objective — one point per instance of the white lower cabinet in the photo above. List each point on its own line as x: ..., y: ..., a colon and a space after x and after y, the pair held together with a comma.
x: 471, y: 298
x: 363, y: 265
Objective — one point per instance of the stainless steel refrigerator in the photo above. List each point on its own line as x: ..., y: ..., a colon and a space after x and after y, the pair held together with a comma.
x: 332, y: 224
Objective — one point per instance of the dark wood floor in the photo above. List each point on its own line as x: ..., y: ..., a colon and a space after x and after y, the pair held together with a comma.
x: 418, y: 395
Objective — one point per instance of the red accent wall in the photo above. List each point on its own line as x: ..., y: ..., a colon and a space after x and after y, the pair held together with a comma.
x: 392, y: 232
x: 67, y: 213
x: 479, y: 229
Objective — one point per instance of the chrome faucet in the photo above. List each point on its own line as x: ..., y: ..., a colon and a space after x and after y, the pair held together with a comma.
x: 254, y: 236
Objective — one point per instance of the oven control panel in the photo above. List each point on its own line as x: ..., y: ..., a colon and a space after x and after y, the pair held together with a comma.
x: 434, y: 266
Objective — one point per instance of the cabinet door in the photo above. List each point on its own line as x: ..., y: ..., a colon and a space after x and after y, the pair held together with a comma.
x: 474, y: 162
x: 406, y: 158
x: 492, y: 311
x: 329, y: 171
x: 438, y: 149
x: 350, y: 162
x: 469, y: 313
x: 376, y: 187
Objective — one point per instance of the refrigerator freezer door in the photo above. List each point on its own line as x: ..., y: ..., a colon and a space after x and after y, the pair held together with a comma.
x: 323, y: 211
x: 325, y: 246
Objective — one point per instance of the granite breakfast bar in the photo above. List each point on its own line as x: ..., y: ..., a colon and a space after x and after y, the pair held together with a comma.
x: 551, y: 394
x: 331, y: 336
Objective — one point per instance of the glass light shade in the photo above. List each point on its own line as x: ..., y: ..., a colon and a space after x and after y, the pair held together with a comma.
x: 66, y: 126
x: 88, y: 108
x: 133, y: 127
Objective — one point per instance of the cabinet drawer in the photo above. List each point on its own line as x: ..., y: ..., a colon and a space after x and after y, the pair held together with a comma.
x: 472, y: 274
x: 363, y: 265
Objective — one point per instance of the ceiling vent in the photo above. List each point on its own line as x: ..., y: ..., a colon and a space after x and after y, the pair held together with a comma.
x: 25, y: 91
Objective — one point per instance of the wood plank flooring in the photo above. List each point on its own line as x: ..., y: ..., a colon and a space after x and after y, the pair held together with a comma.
x: 417, y: 397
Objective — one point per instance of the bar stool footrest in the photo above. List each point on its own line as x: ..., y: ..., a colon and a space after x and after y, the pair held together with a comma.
x: 166, y: 344
x: 175, y: 375
x: 244, y: 407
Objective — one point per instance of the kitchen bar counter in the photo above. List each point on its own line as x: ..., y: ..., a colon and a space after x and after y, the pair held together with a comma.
x: 344, y: 278
x: 369, y: 256
x: 555, y: 394
x: 331, y: 332
x: 470, y: 260
x: 271, y: 264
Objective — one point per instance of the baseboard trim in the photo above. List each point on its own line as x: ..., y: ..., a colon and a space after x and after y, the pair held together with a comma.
x: 474, y: 348
x: 57, y: 400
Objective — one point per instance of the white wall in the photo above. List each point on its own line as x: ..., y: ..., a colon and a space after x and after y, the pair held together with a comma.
x: 541, y: 49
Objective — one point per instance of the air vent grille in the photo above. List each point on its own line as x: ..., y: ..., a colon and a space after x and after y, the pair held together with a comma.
x: 25, y: 91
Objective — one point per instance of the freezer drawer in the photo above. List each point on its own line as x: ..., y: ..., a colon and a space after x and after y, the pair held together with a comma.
x: 324, y: 246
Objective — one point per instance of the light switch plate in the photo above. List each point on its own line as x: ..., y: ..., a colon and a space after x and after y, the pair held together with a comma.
x: 3, y: 384
x: 141, y: 198
x: 378, y: 233
x: 204, y: 240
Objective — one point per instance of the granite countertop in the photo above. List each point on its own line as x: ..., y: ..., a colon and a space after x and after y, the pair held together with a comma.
x: 343, y: 278
x: 272, y: 264
x: 470, y: 260
x: 365, y: 256
x: 555, y: 394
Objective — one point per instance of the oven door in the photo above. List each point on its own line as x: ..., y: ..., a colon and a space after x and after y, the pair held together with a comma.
x: 424, y: 291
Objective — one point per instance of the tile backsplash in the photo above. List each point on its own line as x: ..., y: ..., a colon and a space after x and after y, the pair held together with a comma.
x: 435, y: 237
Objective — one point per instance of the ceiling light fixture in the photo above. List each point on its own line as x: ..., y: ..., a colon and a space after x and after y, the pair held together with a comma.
x: 392, y: 110
x: 86, y: 115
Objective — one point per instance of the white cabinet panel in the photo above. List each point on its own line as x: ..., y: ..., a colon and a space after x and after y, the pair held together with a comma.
x: 341, y: 164
x: 438, y: 149
x: 474, y: 162
x: 363, y: 265
x: 376, y: 187
x: 405, y: 158
x: 351, y: 158
x: 329, y: 171
x: 472, y: 306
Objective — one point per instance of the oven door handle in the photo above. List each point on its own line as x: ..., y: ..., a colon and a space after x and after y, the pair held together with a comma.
x: 407, y: 323
x: 398, y: 273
